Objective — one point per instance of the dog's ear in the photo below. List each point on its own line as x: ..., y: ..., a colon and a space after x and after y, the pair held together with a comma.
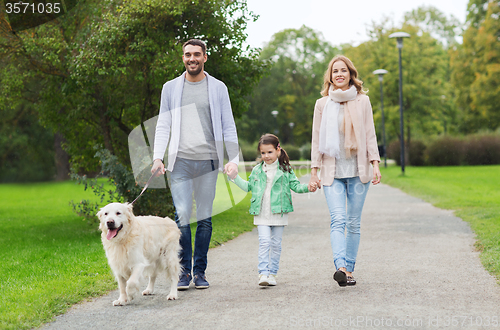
x: 129, y: 211
x: 99, y: 216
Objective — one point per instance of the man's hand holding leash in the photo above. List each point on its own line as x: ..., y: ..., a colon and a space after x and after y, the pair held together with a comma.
x: 158, y: 164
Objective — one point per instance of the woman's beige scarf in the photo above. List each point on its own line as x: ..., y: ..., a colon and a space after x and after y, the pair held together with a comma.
x: 329, y: 142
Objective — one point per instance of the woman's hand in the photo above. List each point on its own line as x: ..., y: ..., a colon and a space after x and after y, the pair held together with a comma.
x: 314, y: 181
x: 377, y: 176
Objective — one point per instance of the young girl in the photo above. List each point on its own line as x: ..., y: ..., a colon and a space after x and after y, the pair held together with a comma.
x: 270, y: 183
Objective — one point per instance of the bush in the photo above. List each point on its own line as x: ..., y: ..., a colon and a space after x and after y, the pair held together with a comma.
x: 476, y: 149
x: 249, y: 152
x: 393, y: 151
x: 415, y: 155
x: 156, y: 202
x: 445, y: 151
x: 306, y: 151
x: 292, y: 151
x: 482, y: 150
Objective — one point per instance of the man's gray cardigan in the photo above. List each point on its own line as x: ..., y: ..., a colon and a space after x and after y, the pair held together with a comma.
x: 169, y: 121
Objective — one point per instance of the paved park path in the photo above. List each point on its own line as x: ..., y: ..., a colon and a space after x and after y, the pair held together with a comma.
x: 417, y: 269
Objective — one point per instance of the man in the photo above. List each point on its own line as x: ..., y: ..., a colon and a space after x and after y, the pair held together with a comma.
x: 195, y: 112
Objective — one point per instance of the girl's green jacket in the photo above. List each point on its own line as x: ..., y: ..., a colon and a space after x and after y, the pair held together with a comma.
x: 281, y: 197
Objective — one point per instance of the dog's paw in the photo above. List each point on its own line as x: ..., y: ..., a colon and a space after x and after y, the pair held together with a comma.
x: 120, y: 302
x: 147, y: 292
x: 172, y: 296
x: 132, y: 290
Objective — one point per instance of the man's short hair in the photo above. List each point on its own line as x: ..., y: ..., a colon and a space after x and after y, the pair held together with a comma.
x: 195, y: 42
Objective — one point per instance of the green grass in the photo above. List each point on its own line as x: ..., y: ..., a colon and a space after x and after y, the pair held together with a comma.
x: 52, y: 258
x: 472, y: 191
x: 232, y: 221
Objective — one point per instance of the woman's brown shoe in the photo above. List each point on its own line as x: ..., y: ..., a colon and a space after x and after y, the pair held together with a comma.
x: 350, y: 280
x: 340, y: 277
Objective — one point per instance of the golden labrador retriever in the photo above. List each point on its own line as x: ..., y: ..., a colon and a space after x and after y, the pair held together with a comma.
x: 139, y: 246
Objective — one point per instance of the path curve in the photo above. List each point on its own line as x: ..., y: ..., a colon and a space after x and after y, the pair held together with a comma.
x: 417, y: 269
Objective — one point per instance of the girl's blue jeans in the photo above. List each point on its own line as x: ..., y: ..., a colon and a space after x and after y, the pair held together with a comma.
x: 269, y: 249
x: 345, y: 199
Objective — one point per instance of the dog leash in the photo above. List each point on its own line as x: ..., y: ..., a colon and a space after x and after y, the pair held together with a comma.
x: 147, y: 184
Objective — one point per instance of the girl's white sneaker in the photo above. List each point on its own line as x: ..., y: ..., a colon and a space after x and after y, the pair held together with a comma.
x: 272, y: 280
x: 263, y: 280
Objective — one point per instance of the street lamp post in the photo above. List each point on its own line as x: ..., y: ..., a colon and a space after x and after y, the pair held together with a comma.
x: 380, y: 73
x: 399, y: 37
x: 275, y: 115
x: 443, y: 98
x: 291, y: 131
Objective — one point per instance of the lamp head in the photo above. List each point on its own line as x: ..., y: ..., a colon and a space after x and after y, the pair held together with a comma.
x: 380, y: 73
x: 399, y: 37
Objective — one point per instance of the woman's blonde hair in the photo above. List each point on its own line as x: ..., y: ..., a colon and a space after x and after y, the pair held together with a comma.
x: 327, y: 79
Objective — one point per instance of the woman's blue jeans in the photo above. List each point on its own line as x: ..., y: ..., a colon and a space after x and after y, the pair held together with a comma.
x: 345, y: 199
x: 198, y: 178
x: 269, y: 249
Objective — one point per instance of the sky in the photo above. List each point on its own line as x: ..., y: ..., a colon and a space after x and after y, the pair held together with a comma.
x: 340, y: 21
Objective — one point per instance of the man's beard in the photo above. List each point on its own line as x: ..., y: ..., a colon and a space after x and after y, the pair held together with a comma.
x: 194, y: 72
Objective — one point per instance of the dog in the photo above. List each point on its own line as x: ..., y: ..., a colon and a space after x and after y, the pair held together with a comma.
x: 139, y: 246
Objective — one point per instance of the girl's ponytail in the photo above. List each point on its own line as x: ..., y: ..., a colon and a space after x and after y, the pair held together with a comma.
x: 283, y: 158
x: 284, y: 161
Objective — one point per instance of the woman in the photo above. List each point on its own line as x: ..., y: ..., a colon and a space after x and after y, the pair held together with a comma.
x: 344, y: 147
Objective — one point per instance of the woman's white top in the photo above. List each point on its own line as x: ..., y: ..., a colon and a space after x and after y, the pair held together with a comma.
x: 265, y: 217
x: 344, y: 167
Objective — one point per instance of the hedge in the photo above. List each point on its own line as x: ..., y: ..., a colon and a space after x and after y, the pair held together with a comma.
x: 477, y: 149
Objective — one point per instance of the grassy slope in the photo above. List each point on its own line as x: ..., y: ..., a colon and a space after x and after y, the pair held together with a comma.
x: 472, y: 191
x: 51, y: 259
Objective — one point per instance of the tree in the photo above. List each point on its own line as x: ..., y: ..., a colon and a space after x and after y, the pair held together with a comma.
x: 485, y: 90
x: 25, y: 146
x: 426, y: 89
x: 299, y: 58
x: 476, y: 12
x: 100, y: 68
x: 34, y: 62
x: 429, y: 19
x: 476, y: 67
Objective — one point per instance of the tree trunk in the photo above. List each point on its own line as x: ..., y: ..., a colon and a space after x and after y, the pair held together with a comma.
x: 106, y: 132
x: 61, y: 158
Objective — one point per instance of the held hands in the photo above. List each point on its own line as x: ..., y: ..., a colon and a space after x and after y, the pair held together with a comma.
x: 314, y: 183
x: 312, y: 186
x: 231, y: 169
x: 158, y: 164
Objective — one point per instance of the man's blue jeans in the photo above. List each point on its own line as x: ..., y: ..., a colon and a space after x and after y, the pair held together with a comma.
x: 345, y: 221
x: 196, y: 177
